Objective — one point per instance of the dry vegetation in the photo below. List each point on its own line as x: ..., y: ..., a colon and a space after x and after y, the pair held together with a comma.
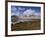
x: 30, y: 25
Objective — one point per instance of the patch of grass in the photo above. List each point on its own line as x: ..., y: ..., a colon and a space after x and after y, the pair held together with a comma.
x: 30, y: 25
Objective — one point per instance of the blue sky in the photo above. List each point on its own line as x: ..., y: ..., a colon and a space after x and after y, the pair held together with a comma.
x: 25, y: 10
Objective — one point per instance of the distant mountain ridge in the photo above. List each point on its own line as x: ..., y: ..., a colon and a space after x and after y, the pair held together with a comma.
x: 17, y: 19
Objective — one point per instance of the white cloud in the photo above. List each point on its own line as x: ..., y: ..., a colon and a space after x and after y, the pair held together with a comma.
x: 14, y: 9
x: 31, y: 12
x: 28, y: 12
x: 37, y: 14
x: 21, y: 8
x: 17, y: 14
x: 13, y: 13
